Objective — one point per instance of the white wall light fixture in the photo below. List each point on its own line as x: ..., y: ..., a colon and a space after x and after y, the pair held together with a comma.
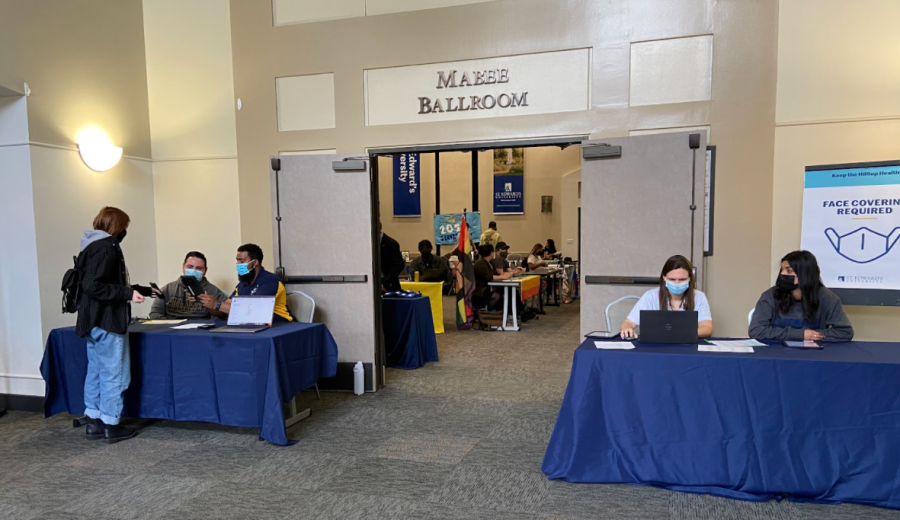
x: 96, y: 150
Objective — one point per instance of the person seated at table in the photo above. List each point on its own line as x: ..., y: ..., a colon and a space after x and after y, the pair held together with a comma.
x: 254, y: 280
x: 176, y: 303
x: 676, y: 292
x: 501, y: 265
x: 799, y: 307
x: 484, y: 295
x: 427, y: 261
x: 550, y: 251
x: 536, y: 258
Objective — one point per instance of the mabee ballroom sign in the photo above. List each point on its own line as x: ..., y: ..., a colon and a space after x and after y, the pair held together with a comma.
x: 407, y: 196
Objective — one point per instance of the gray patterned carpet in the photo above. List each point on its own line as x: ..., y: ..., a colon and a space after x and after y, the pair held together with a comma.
x: 463, y: 438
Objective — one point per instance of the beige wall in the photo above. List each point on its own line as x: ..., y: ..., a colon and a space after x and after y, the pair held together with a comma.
x: 571, y: 203
x: 192, y: 128
x: 740, y: 111
x: 838, y: 102
x: 84, y: 63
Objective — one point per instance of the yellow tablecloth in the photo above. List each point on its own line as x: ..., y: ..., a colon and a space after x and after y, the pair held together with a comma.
x: 531, y: 286
x: 433, y: 290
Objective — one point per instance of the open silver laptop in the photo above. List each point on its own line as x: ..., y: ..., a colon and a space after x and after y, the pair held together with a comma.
x: 249, y: 314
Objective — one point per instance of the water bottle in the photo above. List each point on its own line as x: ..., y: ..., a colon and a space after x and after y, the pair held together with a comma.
x: 358, y: 378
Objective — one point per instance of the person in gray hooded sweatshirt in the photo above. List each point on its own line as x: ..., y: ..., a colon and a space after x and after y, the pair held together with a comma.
x: 800, y: 307
x: 103, y: 316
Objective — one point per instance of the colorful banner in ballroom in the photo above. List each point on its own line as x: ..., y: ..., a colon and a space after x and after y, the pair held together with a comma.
x: 851, y: 222
x: 407, y: 196
x: 509, y: 181
x: 446, y: 227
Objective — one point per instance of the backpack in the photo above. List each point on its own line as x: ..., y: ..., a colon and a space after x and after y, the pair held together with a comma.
x: 71, y: 288
x: 488, y: 240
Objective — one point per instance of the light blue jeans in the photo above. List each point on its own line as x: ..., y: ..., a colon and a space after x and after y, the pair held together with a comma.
x: 108, y: 375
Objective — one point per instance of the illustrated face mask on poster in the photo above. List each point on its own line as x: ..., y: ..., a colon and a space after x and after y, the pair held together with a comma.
x: 851, y: 222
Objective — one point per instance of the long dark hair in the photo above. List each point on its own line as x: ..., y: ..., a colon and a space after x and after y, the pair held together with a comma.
x: 551, y: 246
x: 806, y: 268
x: 676, y: 262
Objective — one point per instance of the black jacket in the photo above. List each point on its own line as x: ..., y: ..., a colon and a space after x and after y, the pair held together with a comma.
x: 392, y: 263
x: 105, y: 294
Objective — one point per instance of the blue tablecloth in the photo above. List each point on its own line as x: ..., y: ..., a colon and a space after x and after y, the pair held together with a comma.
x: 814, y: 425
x: 195, y: 375
x: 409, y: 339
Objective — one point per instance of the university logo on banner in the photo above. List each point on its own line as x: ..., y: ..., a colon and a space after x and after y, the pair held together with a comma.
x: 509, y: 181
x: 407, y: 196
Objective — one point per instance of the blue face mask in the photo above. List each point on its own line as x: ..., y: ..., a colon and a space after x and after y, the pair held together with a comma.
x: 195, y: 273
x: 677, y: 288
x: 243, y: 269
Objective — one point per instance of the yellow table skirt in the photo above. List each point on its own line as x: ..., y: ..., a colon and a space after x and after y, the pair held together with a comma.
x: 531, y: 286
x: 434, y: 292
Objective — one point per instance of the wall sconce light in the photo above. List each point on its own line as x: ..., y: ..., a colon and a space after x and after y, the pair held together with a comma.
x: 96, y: 150
x: 546, y: 203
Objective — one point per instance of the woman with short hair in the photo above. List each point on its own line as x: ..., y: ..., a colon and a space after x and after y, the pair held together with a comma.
x: 103, y: 316
x: 799, y: 307
x: 676, y: 292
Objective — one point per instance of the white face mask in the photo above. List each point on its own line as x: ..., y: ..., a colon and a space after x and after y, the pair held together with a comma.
x: 862, y: 245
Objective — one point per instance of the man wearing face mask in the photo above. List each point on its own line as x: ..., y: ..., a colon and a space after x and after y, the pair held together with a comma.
x: 501, y: 265
x: 437, y: 266
x: 176, y: 303
x: 254, y: 281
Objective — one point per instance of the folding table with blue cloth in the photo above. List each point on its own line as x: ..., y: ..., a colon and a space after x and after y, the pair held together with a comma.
x: 810, y: 425
x: 409, y: 337
x: 238, y: 379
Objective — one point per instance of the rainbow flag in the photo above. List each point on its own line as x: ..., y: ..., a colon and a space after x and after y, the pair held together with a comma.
x: 464, y: 313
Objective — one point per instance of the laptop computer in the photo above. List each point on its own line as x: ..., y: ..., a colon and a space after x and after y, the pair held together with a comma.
x: 669, y: 327
x: 433, y: 275
x: 249, y: 314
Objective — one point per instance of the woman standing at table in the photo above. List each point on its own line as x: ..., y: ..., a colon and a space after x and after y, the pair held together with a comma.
x: 103, y: 316
x: 799, y: 307
x: 676, y: 292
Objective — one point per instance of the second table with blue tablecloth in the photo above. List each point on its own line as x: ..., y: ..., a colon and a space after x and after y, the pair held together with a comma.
x: 238, y: 379
x: 409, y: 338
x: 813, y: 425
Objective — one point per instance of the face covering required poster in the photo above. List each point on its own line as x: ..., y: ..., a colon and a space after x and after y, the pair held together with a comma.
x: 851, y: 222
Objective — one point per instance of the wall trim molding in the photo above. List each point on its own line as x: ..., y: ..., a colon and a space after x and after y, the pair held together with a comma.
x: 184, y: 159
x: 837, y: 121
x: 22, y: 403
x: 22, y: 376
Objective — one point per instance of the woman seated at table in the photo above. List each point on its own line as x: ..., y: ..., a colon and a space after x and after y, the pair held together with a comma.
x: 676, y: 292
x: 799, y: 307
x: 536, y: 258
x: 550, y: 251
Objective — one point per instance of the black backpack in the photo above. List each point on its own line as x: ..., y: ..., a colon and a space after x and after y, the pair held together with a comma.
x: 71, y: 288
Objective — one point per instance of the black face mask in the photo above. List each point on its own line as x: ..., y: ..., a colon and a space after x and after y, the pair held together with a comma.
x: 786, y: 283
x: 121, y: 236
x: 247, y: 278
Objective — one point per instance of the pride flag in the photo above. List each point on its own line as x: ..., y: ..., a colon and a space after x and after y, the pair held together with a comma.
x: 465, y: 279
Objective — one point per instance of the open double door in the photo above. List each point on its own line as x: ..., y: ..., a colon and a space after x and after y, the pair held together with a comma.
x: 637, y: 193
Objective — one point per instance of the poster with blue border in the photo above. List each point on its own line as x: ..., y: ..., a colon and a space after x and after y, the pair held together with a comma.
x: 851, y: 222
x: 509, y: 194
x: 446, y: 227
x: 407, y: 192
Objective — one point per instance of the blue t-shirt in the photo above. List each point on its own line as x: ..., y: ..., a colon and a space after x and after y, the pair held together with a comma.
x: 650, y: 302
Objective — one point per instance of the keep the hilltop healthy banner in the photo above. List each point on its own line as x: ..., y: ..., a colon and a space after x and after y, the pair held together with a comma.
x: 851, y: 222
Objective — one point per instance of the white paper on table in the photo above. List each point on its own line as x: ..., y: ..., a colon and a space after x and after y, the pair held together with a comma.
x: 189, y: 326
x: 614, y: 345
x: 737, y: 343
x: 737, y: 349
x: 163, y: 322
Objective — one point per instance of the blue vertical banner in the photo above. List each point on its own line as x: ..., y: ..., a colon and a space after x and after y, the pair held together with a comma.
x: 407, y: 199
x: 509, y: 194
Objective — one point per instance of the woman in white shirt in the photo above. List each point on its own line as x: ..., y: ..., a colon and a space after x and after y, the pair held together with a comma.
x: 676, y: 292
x: 534, y: 259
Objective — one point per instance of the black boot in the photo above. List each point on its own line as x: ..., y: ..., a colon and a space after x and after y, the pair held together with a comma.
x: 94, y: 430
x: 115, y: 433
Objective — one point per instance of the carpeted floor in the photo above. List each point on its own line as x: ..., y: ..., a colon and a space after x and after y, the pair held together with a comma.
x: 462, y: 438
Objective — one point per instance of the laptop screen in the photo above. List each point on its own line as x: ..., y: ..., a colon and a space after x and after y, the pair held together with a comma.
x: 251, y: 310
